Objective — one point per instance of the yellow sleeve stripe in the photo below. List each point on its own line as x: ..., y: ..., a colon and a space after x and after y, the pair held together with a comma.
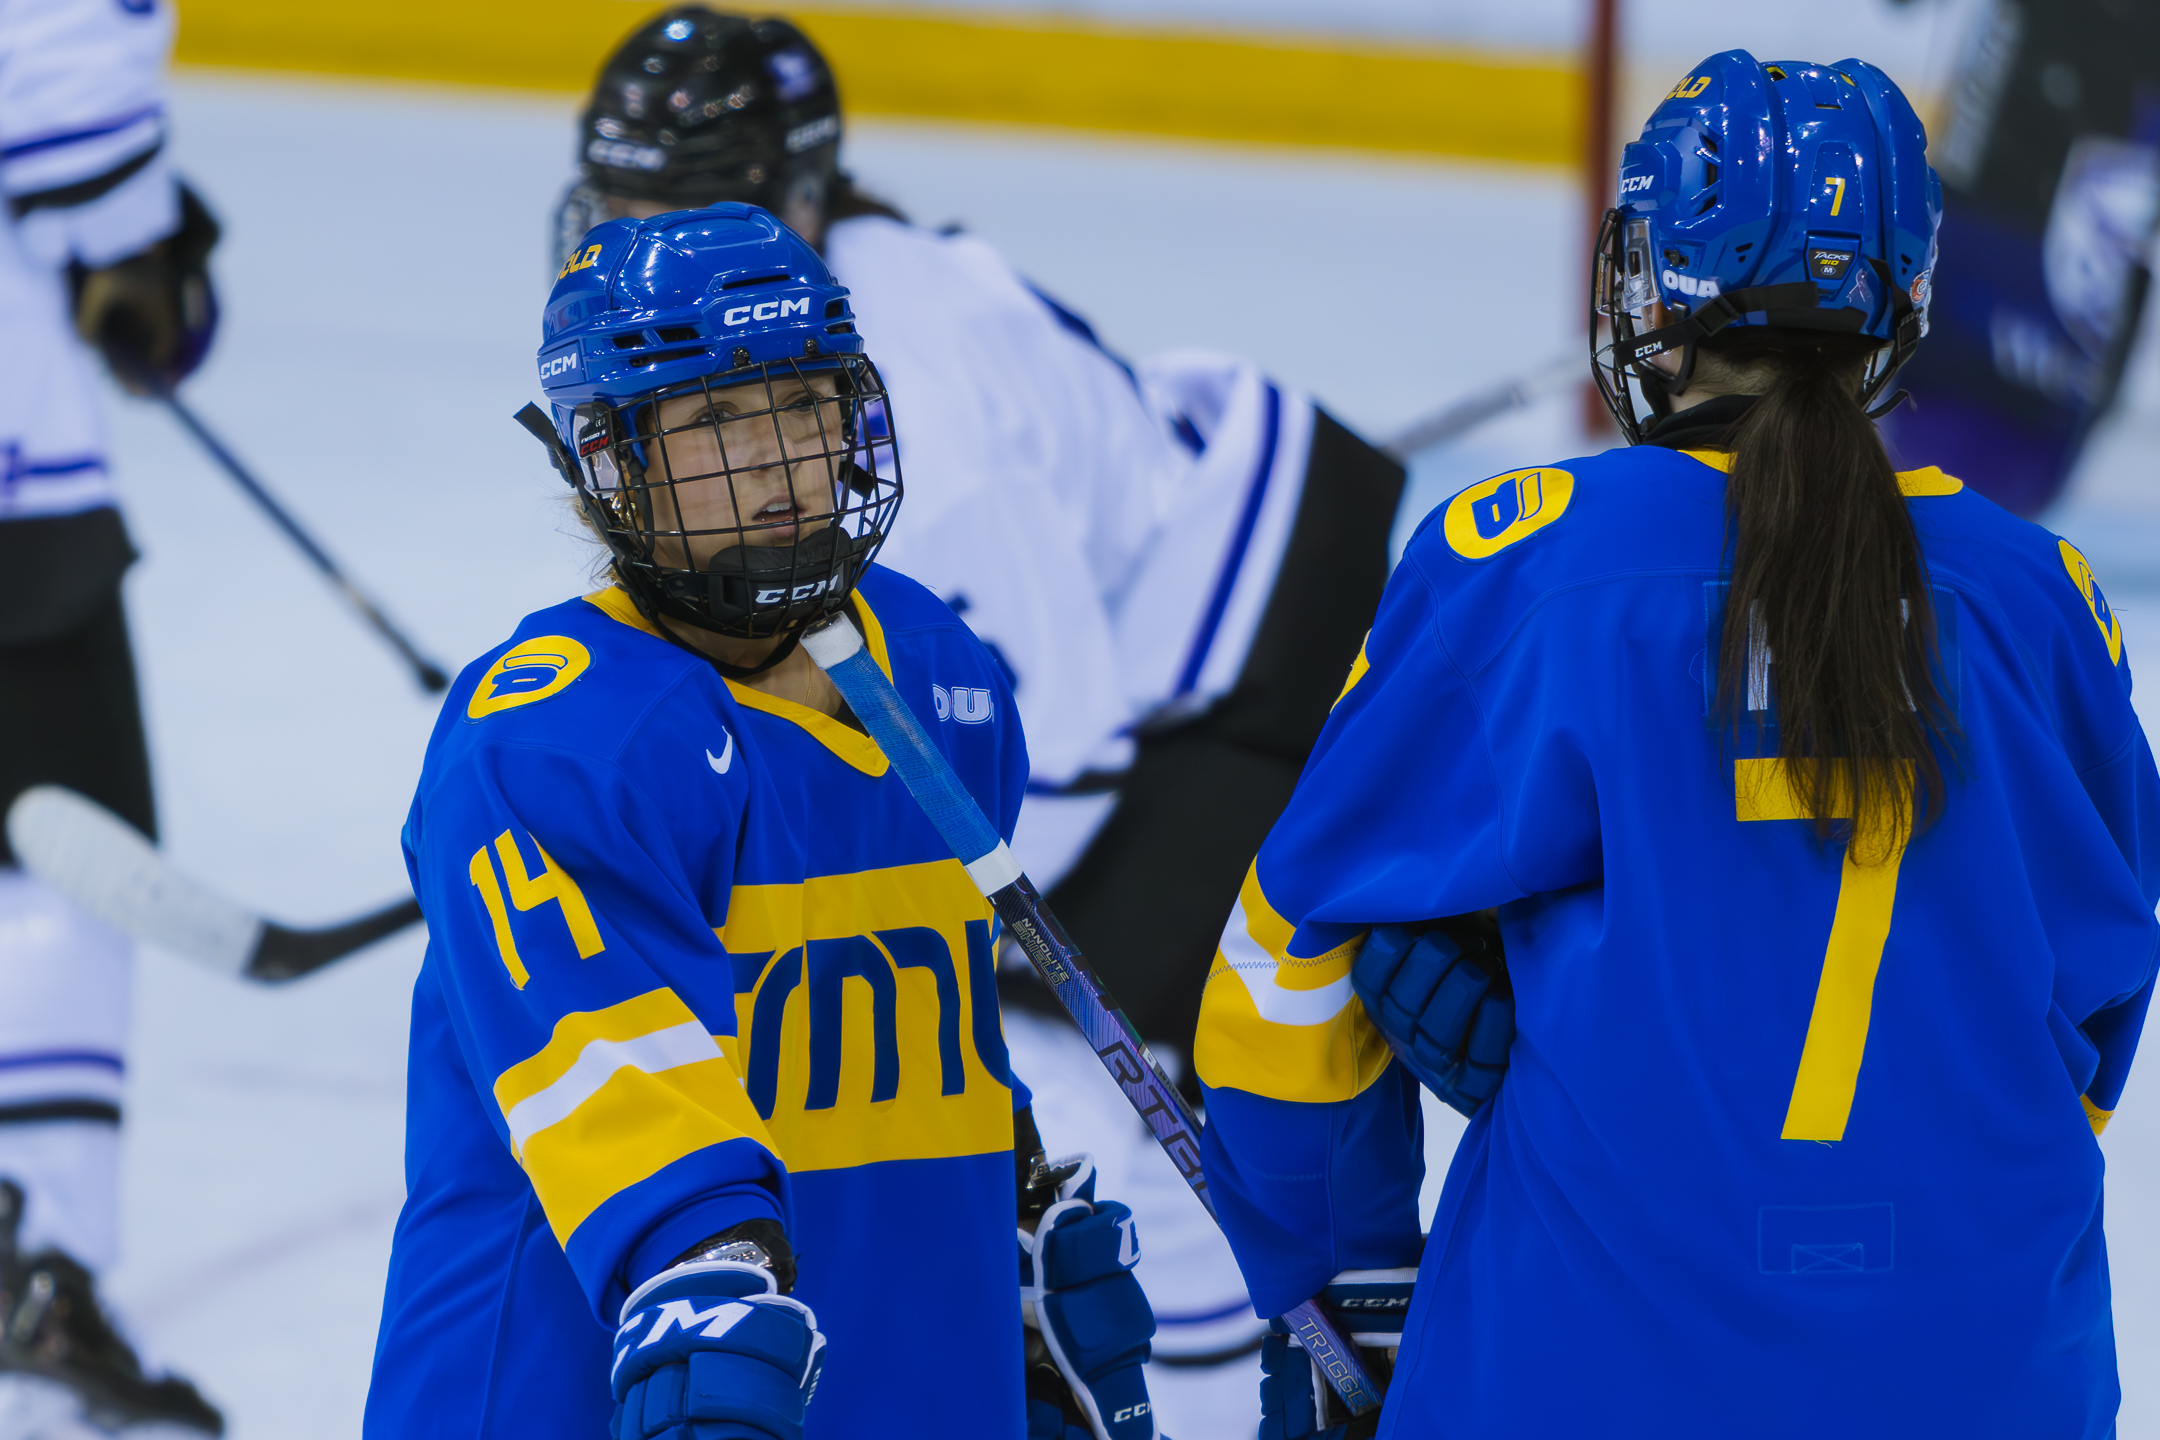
x: 1280, y: 1025
x: 662, y: 1050
x: 639, y: 1016
x: 615, y: 1096
x: 2095, y: 1115
x: 633, y: 1126
x: 1255, y: 948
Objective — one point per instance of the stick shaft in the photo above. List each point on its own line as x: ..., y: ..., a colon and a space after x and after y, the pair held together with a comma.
x: 1474, y: 410
x: 429, y: 675
x: 952, y: 810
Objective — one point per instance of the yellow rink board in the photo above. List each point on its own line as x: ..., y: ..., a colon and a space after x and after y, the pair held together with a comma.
x: 1367, y: 95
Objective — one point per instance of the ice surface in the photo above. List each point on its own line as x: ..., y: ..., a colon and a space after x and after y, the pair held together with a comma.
x: 382, y: 278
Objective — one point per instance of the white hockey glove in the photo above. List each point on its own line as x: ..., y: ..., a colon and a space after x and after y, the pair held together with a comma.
x: 1086, y: 1313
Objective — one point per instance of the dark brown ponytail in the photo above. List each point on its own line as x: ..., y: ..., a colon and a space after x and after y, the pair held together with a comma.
x: 1827, y: 574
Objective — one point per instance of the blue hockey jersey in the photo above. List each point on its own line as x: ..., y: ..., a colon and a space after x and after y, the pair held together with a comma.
x: 1790, y: 1144
x: 696, y: 957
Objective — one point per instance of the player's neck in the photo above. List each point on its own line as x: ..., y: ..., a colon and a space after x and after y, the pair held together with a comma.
x: 796, y: 678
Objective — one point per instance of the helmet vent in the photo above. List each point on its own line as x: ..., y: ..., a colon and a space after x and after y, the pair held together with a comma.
x: 1709, y: 203
x: 636, y: 339
x: 666, y: 357
x: 835, y: 307
x: 1775, y: 72
x: 845, y: 329
x: 678, y: 334
x: 756, y: 280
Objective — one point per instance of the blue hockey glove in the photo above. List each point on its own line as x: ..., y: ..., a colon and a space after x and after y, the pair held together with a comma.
x: 1442, y: 1000
x: 1084, y: 1303
x: 1296, y: 1402
x: 712, y: 1351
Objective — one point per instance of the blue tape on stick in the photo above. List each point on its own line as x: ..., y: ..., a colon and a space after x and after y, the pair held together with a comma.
x: 923, y: 768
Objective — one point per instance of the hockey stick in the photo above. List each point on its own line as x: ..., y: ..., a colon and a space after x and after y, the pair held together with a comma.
x: 1474, y: 410
x: 106, y: 867
x: 430, y: 675
x: 838, y: 650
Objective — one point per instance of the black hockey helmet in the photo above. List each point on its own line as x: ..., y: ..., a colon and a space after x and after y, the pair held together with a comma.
x: 699, y: 106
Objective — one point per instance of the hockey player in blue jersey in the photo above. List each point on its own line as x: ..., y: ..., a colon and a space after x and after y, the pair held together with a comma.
x: 1174, y: 558
x: 709, y: 1105
x: 1823, y: 844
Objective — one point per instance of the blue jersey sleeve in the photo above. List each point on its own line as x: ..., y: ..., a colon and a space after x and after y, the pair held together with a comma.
x: 2094, y: 687
x: 558, y: 904
x: 1314, y: 1142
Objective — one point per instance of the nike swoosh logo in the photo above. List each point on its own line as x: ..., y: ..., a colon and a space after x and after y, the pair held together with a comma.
x: 725, y: 758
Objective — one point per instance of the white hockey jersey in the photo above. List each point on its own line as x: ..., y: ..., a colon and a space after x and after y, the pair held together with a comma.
x: 81, y: 100
x: 1112, y: 533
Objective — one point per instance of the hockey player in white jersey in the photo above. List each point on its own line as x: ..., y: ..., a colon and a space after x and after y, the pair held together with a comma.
x: 1173, y: 560
x: 100, y: 240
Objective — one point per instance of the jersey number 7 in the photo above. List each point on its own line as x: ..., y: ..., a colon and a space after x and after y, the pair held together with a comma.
x: 1822, y: 1093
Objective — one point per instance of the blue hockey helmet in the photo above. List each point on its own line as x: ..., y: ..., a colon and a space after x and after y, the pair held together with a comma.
x: 1785, y: 196
x: 714, y: 408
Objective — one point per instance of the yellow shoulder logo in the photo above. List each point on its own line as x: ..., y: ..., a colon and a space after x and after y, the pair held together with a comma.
x: 2103, y: 614
x: 528, y: 673
x: 1493, y: 514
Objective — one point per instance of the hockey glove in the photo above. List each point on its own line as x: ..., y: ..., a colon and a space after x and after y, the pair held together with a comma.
x: 153, y: 314
x: 1442, y: 1000
x: 710, y: 1350
x: 1296, y: 1402
x: 1084, y: 1306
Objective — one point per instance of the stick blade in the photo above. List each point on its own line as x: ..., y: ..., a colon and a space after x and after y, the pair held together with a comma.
x: 288, y: 954
x: 106, y: 867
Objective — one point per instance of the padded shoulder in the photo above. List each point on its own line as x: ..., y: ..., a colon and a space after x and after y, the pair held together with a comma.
x: 585, y: 672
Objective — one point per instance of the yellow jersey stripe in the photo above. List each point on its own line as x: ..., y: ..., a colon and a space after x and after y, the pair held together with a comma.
x: 641, y: 1015
x: 662, y: 1050
x: 850, y: 744
x: 1280, y: 1025
x: 630, y: 1128
x: 2096, y: 1116
x: 935, y: 893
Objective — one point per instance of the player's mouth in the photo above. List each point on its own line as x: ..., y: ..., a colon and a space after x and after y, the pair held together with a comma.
x: 780, y: 521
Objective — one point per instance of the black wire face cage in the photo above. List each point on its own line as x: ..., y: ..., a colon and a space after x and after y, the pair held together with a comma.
x: 1624, y: 292
x: 1623, y: 287
x: 749, y: 502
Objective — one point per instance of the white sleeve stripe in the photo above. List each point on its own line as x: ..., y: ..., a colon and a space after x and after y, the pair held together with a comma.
x: 1276, y: 1004
x: 684, y: 1044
